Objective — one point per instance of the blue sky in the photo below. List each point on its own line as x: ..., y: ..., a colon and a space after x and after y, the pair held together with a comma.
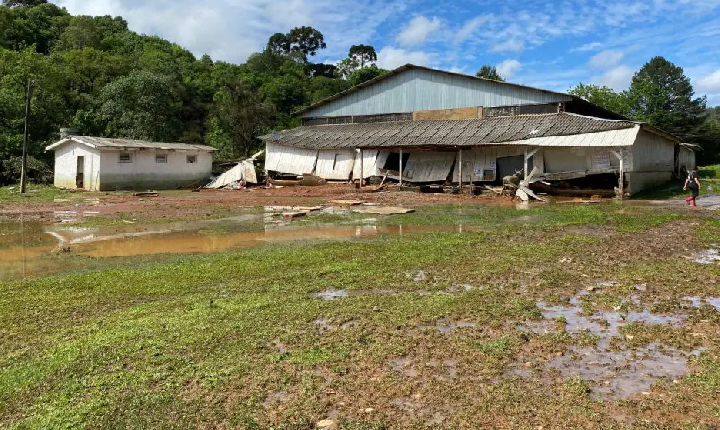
x: 552, y: 45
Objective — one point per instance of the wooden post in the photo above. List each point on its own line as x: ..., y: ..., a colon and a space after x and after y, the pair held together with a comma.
x: 460, y: 164
x: 401, y: 167
x: 362, y: 170
x: 23, y: 169
x: 528, y: 155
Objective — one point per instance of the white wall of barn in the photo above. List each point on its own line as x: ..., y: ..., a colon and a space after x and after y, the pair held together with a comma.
x: 66, y: 164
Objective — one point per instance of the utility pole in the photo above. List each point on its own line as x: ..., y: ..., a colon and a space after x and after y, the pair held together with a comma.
x: 23, y: 171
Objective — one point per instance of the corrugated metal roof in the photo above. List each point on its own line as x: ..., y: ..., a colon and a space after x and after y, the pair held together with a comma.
x: 461, y: 133
x: 516, y: 94
x: 111, y: 143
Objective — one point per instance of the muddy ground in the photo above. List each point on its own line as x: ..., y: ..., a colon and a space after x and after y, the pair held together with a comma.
x: 465, y: 314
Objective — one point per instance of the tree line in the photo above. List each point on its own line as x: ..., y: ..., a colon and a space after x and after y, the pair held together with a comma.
x: 95, y: 75
x: 661, y: 95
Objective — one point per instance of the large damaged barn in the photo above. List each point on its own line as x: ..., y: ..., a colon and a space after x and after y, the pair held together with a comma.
x: 422, y: 126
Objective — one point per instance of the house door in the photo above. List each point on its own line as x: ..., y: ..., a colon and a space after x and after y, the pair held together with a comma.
x: 508, y: 166
x: 80, y: 176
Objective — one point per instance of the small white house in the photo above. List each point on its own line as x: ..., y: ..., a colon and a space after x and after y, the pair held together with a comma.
x: 104, y: 164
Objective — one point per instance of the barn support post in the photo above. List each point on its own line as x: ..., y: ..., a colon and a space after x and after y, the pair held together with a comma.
x: 401, y: 167
x: 528, y: 156
x: 460, y: 167
x: 621, y: 183
x: 362, y: 170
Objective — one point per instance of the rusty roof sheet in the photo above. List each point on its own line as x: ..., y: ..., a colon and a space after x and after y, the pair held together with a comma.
x: 447, y: 133
x: 111, y: 143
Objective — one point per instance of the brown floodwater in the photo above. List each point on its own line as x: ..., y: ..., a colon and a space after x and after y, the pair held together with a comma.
x: 32, y: 248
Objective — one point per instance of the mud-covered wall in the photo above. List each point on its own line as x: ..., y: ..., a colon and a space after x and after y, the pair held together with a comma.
x: 145, y: 173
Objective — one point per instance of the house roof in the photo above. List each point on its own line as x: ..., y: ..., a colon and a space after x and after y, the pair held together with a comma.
x: 414, y: 67
x: 113, y: 144
x: 459, y: 133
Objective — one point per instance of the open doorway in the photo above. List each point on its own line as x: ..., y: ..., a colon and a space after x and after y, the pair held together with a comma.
x: 508, y: 166
x: 80, y: 176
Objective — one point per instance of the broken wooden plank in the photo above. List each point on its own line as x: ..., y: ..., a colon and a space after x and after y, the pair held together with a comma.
x: 384, y: 210
x: 346, y: 202
x: 146, y: 195
x: 293, y: 215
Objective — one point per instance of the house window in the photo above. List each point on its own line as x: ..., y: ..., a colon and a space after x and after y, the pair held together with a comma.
x: 125, y: 157
x: 161, y: 158
x: 191, y: 159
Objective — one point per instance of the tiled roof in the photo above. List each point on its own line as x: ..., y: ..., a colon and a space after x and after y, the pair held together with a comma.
x: 110, y: 143
x: 457, y: 133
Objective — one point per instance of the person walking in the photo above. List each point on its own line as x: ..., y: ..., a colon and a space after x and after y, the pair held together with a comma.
x: 693, y: 183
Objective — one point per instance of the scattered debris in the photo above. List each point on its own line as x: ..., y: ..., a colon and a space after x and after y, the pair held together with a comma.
x: 326, y: 425
x: 309, y: 180
x: 347, y: 202
x: 240, y: 175
x: 148, y: 194
x: 293, y: 215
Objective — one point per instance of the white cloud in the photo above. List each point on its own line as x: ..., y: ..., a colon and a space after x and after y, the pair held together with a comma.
x: 592, y: 46
x: 606, y: 59
x: 418, y: 30
x: 392, y: 58
x: 231, y: 30
x: 512, y: 45
x: 469, y: 28
x: 709, y: 84
x: 617, y: 78
x: 508, y: 68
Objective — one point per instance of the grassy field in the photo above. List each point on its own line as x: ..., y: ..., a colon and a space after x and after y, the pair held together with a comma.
x: 435, y: 331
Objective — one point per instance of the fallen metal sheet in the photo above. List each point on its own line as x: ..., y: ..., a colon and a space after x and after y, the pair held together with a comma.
x: 428, y: 166
x: 335, y: 164
x: 373, y: 161
x: 285, y: 159
x: 384, y: 210
x: 243, y: 171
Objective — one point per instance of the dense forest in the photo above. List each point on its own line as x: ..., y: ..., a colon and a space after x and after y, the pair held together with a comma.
x: 95, y: 75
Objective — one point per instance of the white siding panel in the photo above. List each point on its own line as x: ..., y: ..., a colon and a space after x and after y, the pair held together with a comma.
x: 335, y: 164
x: 653, y: 153
x: 428, y: 166
x: 284, y: 159
x: 566, y: 160
x: 686, y: 158
x: 477, y: 161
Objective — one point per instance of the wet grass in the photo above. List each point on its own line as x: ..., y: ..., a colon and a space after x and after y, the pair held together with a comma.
x: 44, y: 193
x: 193, y: 341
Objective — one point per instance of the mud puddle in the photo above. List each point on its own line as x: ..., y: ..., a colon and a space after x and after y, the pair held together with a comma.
x: 710, y: 256
x: 613, y: 372
x: 698, y: 302
x: 32, y: 248
x: 333, y: 294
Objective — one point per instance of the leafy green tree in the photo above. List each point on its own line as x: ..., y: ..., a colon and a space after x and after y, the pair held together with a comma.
x: 663, y: 96
x: 489, y: 72
x: 238, y: 117
x: 39, y: 26
x: 363, y: 55
x: 302, y: 41
x: 141, y: 105
x: 707, y: 135
x: 604, y: 97
x: 286, y: 93
x: 365, y: 74
x: 22, y: 3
